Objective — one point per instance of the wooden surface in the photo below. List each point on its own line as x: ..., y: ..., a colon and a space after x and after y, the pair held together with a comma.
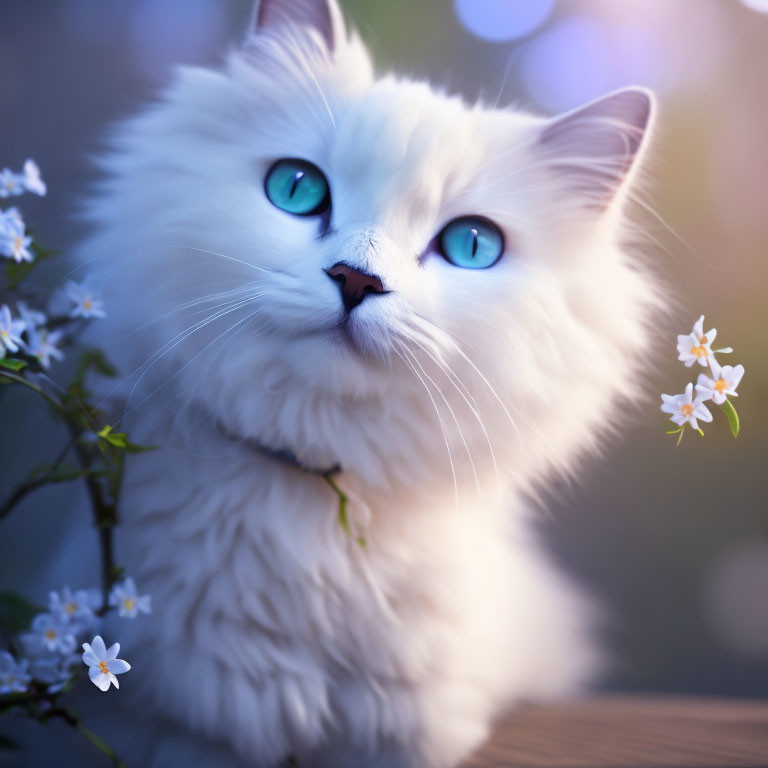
x: 631, y: 731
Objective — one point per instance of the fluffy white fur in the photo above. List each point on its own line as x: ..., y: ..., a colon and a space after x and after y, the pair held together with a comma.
x: 451, y: 399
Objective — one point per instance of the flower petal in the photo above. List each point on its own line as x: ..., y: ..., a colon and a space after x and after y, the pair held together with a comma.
x: 112, y: 651
x: 702, y: 412
x: 98, y: 647
x: 118, y: 666
x: 99, y: 679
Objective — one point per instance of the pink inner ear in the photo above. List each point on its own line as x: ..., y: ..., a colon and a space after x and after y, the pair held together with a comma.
x: 321, y: 15
x: 594, y: 147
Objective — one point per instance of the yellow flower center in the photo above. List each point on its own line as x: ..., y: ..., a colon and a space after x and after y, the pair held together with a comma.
x: 703, y: 339
x: 70, y: 608
x: 4, y: 333
x: 129, y: 603
x: 87, y: 304
x: 50, y: 634
x: 699, y: 351
x: 17, y: 241
x: 721, y: 385
x: 103, y: 667
x: 687, y: 409
x: 9, y: 184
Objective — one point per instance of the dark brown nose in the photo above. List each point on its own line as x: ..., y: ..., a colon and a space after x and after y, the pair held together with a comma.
x: 354, y: 284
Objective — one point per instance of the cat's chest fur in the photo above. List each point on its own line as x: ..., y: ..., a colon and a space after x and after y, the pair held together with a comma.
x: 281, y: 612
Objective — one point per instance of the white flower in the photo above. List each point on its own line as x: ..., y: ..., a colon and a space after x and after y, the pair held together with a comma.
x: 31, y: 179
x: 52, y: 670
x: 86, y: 304
x: 49, y: 632
x: 14, y: 242
x: 726, y: 380
x: 10, y: 331
x: 696, y: 347
x: 33, y: 318
x: 11, y: 223
x: 73, y: 607
x: 42, y: 345
x: 16, y: 247
x: 13, y: 674
x: 684, y: 409
x: 10, y: 183
x: 103, y: 663
x: 125, y: 597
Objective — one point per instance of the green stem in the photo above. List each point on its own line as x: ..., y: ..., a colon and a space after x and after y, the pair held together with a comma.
x: 104, y: 513
x: 52, y: 401
x: 343, y: 501
x: 74, y: 721
x: 25, y: 488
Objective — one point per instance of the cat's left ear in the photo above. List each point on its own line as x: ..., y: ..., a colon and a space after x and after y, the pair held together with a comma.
x: 595, y: 149
x: 323, y: 16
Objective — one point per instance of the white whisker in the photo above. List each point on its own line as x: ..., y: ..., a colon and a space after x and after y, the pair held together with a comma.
x: 439, y: 418
x: 453, y: 415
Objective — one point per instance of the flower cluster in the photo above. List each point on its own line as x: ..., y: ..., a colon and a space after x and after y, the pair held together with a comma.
x: 28, y: 180
x: 49, y: 657
x: 14, y: 241
x: 28, y: 333
x: 688, y: 408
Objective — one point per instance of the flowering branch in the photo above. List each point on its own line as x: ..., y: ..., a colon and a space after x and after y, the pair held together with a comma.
x: 40, y: 664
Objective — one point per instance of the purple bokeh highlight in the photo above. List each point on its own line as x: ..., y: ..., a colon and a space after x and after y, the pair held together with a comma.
x: 499, y: 20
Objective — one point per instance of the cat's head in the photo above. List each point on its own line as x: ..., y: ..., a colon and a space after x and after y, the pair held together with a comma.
x: 376, y: 266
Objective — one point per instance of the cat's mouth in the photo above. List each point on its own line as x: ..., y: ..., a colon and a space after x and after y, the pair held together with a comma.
x: 361, y: 338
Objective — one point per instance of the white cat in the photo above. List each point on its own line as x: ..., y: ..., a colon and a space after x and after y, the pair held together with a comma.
x: 299, y: 258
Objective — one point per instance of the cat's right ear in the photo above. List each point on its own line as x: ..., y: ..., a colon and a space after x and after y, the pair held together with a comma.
x: 595, y: 149
x: 322, y: 16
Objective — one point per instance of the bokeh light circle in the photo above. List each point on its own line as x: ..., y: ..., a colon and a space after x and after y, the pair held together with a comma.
x: 499, y: 20
x: 761, y: 6
x: 568, y: 64
x: 735, y: 598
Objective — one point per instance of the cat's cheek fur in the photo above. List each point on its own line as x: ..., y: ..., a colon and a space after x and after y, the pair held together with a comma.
x: 460, y: 393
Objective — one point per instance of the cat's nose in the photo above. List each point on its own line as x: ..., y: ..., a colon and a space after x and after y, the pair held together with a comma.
x: 354, y: 284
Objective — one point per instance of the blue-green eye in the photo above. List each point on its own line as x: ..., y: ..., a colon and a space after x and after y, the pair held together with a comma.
x: 298, y: 187
x: 471, y: 242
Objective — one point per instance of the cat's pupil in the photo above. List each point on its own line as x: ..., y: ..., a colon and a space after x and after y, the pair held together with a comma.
x: 474, y: 242
x: 296, y: 179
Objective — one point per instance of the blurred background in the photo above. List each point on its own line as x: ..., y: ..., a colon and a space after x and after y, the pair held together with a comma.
x: 673, y: 541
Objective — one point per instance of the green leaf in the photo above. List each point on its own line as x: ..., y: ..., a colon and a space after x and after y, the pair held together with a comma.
x: 16, y: 273
x: 16, y: 613
x: 95, y: 359
x: 114, y: 438
x: 732, y: 416
x: 120, y: 440
x: 12, y: 364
